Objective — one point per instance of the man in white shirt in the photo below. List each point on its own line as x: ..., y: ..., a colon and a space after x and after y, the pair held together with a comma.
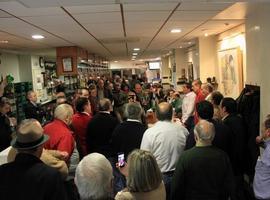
x: 207, y: 90
x: 188, y: 106
x: 166, y: 141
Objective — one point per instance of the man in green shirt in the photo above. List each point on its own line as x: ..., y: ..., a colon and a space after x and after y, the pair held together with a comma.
x: 203, y: 172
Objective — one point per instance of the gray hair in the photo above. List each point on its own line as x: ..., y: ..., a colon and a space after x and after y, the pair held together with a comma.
x: 105, y: 104
x: 205, y: 131
x: 93, y: 177
x: 133, y: 111
x: 208, y: 86
x: 63, y: 111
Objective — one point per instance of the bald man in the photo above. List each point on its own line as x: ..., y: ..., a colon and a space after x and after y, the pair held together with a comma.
x: 61, y: 138
x: 166, y: 141
x: 203, y: 172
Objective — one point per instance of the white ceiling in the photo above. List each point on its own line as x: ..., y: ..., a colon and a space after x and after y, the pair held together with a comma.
x: 98, y: 25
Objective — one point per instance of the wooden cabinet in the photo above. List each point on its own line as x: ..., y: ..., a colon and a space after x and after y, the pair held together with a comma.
x: 68, y: 59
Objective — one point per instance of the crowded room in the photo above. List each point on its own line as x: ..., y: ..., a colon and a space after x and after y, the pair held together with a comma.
x: 134, y: 100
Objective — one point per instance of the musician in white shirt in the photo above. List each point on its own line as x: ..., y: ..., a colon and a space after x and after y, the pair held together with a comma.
x: 188, y: 102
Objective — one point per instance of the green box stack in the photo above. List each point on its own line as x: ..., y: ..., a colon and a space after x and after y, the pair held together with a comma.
x: 21, y: 90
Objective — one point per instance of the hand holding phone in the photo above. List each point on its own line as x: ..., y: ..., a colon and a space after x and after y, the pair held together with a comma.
x: 121, y: 159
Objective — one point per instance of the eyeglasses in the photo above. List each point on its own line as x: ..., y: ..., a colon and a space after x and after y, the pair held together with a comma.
x: 131, y: 97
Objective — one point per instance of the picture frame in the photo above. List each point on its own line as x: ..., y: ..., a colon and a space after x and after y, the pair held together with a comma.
x: 67, y: 64
x: 230, y: 66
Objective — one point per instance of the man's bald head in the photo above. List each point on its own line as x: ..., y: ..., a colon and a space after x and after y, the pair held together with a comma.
x: 204, y: 131
x: 164, y: 111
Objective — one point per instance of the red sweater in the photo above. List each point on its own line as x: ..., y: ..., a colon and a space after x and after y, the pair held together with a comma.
x: 199, y: 97
x: 60, y: 137
x: 79, y: 124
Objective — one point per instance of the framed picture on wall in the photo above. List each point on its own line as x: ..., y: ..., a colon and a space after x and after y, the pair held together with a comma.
x: 230, y: 72
x: 67, y: 64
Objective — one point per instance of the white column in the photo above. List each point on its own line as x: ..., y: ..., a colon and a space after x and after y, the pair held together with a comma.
x: 181, y: 63
x: 258, y: 52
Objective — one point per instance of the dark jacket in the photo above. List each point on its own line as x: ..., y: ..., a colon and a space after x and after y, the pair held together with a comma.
x: 32, y: 111
x: 5, y: 132
x: 127, y: 136
x: 99, y: 134
x: 203, y: 173
x: 29, y: 178
x: 239, y: 142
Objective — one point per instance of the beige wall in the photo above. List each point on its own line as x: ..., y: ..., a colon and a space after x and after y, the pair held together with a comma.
x: 10, y: 65
x: 208, y: 58
x: 193, y: 55
x: 180, y: 61
x: 25, y: 68
x: 165, y: 70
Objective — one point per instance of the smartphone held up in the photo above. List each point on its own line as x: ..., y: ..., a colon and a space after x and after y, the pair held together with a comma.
x: 121, y: 159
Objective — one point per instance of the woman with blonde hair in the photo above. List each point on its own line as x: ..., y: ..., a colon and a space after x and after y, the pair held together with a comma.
x: 144, y: 179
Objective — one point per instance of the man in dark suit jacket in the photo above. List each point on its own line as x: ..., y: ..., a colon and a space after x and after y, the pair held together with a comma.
x: 235, y: 122
x: 28, y: 177
x: 100, y: 129
x: 32, y: 109
x: 223, y: 134
x: 127, y: 136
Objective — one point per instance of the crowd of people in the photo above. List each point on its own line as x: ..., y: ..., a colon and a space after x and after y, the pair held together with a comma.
x: 188, y: 145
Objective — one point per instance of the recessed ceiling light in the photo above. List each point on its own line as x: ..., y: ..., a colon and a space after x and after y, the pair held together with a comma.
x: 133, y: 59
x: 135, y: 54
x: 206, y: 35
x: 141, y: 60
x: 116, y: 61
x: 136, y: 49
x: 176, y: 30
x: 37, y: 37
x: 3, y: 41
x: 189, y: 42
x: 180, y: 47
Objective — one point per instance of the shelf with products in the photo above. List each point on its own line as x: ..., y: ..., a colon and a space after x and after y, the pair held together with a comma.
x: 49, y: 76
x: 20, y: 91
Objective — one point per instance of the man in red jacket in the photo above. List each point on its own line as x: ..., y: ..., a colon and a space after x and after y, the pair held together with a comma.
x: 61, y: 137
x: 80, y: 121
x: 196, y: 86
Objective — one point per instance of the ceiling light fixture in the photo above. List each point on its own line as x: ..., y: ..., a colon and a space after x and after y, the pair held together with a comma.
x: 37, y: 37
x: 189, y: 42
x: 136, y: 49
x: 176, y: 30
x: 116, y: 61
x: 134, y: 54
x: 180, y: 47
x: 3, y: 41
x: 206, y: 35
